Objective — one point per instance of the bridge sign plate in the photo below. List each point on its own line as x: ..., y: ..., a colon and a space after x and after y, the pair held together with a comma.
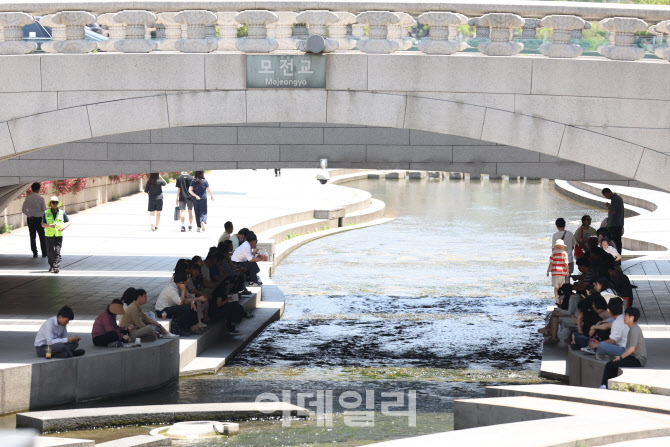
x: 286, y: 71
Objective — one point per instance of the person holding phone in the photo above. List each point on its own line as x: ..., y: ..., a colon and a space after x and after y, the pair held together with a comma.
x: 53, y: 337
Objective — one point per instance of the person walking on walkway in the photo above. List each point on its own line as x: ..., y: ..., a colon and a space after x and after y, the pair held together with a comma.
x: 52, y: 339
x: 154, y: 188
x: 614, y: 217
x: 569, y: 241
x: 54, y: 222
x: 34, y: 207
x: 199, y: 189
x: 184, y: 199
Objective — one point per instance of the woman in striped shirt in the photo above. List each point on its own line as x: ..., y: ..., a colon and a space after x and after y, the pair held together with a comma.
x: 558, y: 266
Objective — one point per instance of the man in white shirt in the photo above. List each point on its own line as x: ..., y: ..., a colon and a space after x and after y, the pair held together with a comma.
x: 34, y: 207
x: 243, y: 257
x: 53, y: 338
x: 568, y: 240
x: 171, y: 303
x: 616, y: 344
x: 605, y: 244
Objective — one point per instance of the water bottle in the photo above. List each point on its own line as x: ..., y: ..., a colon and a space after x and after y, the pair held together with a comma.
x: 48, y: 353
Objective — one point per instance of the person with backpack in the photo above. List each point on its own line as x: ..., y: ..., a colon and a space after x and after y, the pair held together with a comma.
x: 184, y: 199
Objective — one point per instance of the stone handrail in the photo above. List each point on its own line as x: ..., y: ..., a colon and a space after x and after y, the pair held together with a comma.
x: 333, y: 26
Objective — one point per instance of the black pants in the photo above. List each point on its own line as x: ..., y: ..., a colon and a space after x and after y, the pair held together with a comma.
x: 231, y: 312
x: 105, y: 339
x: 58, y: 350
x: 183, y: 316
x: 35, y: 228
x: 616, y: 233
x: 252, y: 269
x: 612, y: 368
x: 54, y: 245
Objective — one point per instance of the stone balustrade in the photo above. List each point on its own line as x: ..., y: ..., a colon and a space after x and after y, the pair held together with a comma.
x: 353, y: 28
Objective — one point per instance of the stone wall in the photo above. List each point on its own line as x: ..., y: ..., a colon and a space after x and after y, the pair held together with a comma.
x: 98, y: 190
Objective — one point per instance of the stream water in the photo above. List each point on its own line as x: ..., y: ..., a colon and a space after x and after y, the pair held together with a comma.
x: 433, y: 306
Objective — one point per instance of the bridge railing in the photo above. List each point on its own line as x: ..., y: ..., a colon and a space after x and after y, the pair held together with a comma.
x: 554, y: 29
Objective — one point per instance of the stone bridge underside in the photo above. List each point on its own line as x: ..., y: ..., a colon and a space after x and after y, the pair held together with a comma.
x: 67, y: 115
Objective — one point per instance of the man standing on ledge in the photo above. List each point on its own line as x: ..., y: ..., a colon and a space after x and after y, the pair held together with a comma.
x: 614, y: 217
x: 34, y: 207
x: 54, y: 222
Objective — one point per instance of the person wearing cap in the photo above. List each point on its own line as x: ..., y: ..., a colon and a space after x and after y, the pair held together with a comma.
x: 105, y: 330
x: 558, y: 267
x: 34, y: 207
x: 54, y: 222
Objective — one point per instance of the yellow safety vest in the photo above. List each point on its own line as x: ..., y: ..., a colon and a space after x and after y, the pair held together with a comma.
x: 53, y: 232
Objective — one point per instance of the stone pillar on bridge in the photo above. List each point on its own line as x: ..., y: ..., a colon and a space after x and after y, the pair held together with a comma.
x: 358, y: 30
x: 442, y: 32
x: 57, y: 32
x: 135, y: 22
x: 257, y: 40
x: 227, y: 30
x: 502, y: 26
x: 173, y: 31
x: 340, y: 30
x: 623, y: 30
x: 530, y: 27
x: 11, y: 33
x: 317, y: 25
x: 560, y: 46
x: 378, y: 22
x: 115, y: 31
x: 74, y: 34
x: 662, y: 28
x: 398, y: 31
x: 196, y: 21
x: 577, y: 33
x: 481, y: 31
x: 282, y: 30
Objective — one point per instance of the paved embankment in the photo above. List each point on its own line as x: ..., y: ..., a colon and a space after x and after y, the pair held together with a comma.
x: 111, y: 247
x: 87, y: 418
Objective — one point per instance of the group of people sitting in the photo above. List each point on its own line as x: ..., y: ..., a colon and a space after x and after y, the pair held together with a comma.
x: 596, y: 310
x: 198, y: 292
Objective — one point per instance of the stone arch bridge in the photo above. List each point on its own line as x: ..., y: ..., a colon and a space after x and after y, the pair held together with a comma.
x: 588, y: 118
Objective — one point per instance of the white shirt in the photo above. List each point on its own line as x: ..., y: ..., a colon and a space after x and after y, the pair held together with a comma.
x: 51, y: 333
x: 619, y: 331
x: 611, y: 250
x: 242, y: 253
x: 568, y: 240
x: 34, y: 206
x: 169, y: 296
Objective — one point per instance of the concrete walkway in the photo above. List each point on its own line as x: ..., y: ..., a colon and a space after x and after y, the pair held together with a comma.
x: 111, y: 247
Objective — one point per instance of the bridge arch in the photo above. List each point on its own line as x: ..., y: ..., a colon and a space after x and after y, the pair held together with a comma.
x: 519, y: 102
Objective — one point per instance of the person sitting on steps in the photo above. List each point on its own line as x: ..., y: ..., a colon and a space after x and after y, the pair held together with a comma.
x: 54, y: 338
x: 105, y: 330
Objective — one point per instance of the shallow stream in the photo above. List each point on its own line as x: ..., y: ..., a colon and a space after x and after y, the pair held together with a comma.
x: 440, y: 302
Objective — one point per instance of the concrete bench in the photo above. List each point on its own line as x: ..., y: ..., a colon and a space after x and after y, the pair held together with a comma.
x: 584, y: 369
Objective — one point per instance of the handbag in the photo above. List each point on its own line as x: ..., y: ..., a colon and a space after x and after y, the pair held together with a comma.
x: 579, y: 252
x: 176, y: 213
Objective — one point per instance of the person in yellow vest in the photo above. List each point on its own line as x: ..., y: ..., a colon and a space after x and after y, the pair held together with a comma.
x: 54, y: 222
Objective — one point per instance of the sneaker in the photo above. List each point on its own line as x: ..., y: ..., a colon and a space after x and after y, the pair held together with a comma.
x: 44, y: 255
x: 78, y: 353
x: 190, y: 228
x: 202, y: 325
x: 115, y: 344
x: 198, y: 230
x: 56, y: 270
x: 183, y: 228
x: 35, y: 255
x: 588, y: 350
x: 169, y: 335
x: 234, y: 332
x: 51, y: 269
x: 156, y: 228
x: 203, y: 227
x: 248, y: 315
x: 152, y: 227
x: 603, y: 387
